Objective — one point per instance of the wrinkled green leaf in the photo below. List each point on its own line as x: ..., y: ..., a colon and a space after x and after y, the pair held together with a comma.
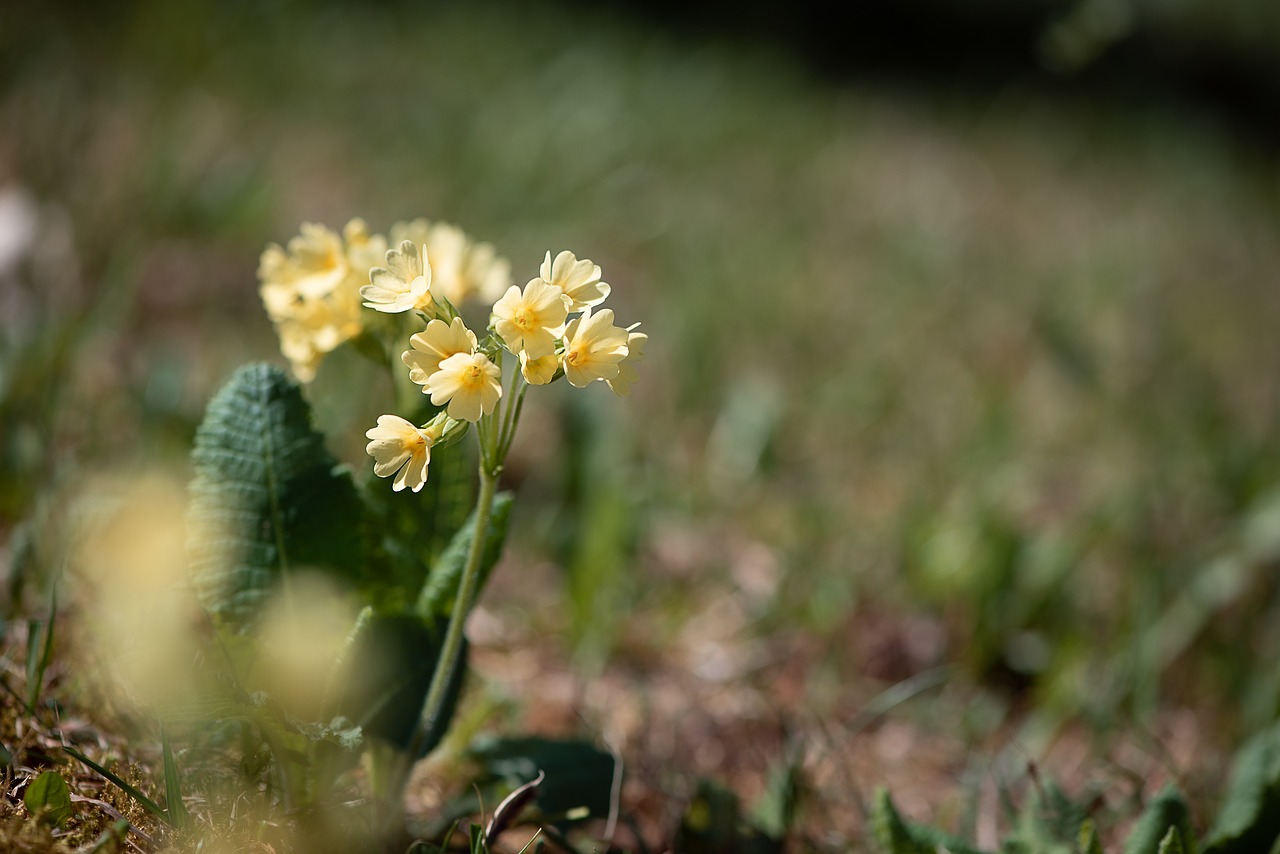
x: 49, y: 793
x: 441, y: 589
x: 266, y: 497
x: 411, y: 531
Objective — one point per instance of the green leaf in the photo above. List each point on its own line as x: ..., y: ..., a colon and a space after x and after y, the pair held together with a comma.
x: 412, y: 530
x: 39, y: 652
x: 266, y: 496
x: 441, y: 589
x: 1172, y: 843
x: 891, y: 832
x: 895, y: 835
x: 1047, y: 822
x: 713, y: 823
x: 1168, y: 811
x: 1250, y: 816
x: 776, y: 811
x: 1088, y: 841
x: 172, y: 783
x: 578, y: 774
x: 394, y: 657
x: 49, y: 793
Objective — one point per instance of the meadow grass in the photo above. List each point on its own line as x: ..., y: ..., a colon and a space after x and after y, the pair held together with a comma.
x: 995, y: 368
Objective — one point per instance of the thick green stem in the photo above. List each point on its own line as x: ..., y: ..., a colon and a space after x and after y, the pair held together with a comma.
x: 451, y: 650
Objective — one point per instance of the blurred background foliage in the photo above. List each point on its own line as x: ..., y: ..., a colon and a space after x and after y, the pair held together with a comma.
x: 963, y: 316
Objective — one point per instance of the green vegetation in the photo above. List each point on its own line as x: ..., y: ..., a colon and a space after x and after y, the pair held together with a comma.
x: 955, y: 453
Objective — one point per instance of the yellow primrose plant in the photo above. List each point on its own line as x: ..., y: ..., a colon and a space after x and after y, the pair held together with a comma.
x: 367, y: 665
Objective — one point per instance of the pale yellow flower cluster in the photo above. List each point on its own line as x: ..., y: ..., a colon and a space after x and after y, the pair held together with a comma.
x: 553, y: 326
x: 313, y: 288
x: 536, y: 325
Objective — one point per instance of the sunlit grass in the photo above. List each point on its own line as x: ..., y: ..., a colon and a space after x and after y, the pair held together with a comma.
x: 1002, y: 364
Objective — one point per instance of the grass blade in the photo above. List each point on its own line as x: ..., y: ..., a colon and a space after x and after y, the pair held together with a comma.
x: 132, y: 791
x: 172, y: 784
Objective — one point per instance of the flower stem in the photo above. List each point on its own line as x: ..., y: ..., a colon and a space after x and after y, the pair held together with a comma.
x: 451, y: 649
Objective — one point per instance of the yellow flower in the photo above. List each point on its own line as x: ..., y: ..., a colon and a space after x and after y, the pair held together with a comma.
x: 580, y: 280
x: 433, y: 345
x: 621, y: 384
x: 469, y: 383
x: 460, y: 269
x: 539, y: 371
x: 311, y: 330
x: 320, y: 265
x: 312, y: 291
x: 401, y: 449
x: 486, y: 272
x: 364, y: 250
x: 403, y: 285
x: 593, y: 347
x: 531, y: 321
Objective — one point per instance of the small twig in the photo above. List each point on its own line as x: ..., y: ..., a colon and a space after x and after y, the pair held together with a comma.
x: 114, y: 813
x: 615, y: 794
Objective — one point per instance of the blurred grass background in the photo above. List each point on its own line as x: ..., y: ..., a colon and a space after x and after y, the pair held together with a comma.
x: 953, y: 360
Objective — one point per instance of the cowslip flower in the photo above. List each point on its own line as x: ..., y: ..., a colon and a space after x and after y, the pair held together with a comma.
x: 580, y: 280
x: 469, y: 383
x: 433, y: 345
x: 403, y: 285
x: 319, y: 263
x: 401, y: 449
x: 621, y: 384
x: 311, y: 291
x: 460, y: 269
x: 593, y: 347
x: 530, y: 321
x: 539, y: 371
x: 486, y: 272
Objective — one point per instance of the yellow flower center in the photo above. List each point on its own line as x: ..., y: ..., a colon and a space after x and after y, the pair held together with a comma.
x: 524, y: 319
x: 472, y: 375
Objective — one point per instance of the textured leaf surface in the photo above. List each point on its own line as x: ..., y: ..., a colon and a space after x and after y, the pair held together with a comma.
x: 411, y: 531
x: 266, y: 496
